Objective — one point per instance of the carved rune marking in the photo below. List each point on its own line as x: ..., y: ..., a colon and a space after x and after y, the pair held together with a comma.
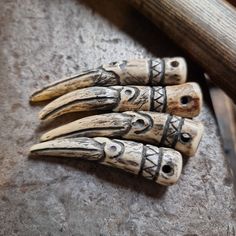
x: 150, y: 166
x: 159, y: 99
x: 156, y: 71
x: 104, y: 77
x: 173, y: 128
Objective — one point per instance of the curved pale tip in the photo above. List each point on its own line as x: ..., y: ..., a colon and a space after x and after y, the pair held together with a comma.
x: 86, y: 99
x: 83, y: 147
x: 37, y: 97
x: 109, y: 124
x: 175, y: 70
x: 53, y: 90
x: 42, y: 149
x: 171, y: 167
x: 57, y: 88
x: 57, y: 132
x: 52, y: 147
x: 35, y: 148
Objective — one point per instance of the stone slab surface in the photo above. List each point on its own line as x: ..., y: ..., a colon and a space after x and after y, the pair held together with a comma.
x: 41, y: 41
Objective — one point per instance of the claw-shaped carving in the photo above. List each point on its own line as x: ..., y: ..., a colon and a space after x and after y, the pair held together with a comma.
x: 150, y: 127
x: 183, y: 100
x: 161, y: 165
x: 166, y: 71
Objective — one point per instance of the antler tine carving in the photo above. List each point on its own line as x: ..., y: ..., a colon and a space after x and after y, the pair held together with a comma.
x: 166, y: 71
x: 161, y: 165
x: 183, y: 100
x: 159, y: 129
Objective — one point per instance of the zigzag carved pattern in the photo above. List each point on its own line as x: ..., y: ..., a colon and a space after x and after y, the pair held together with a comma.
x: 173, y: 131
x: 158, y: 99
x: 151, y: 164
x: 156, y: 71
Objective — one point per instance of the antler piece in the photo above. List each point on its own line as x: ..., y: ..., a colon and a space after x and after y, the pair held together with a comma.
x: 155, y: 128
x: 183, y: 100
x: 161, y: 165
x: 166, y: 71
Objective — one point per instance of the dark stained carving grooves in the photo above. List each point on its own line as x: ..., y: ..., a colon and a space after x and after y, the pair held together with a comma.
x: 127, y: 155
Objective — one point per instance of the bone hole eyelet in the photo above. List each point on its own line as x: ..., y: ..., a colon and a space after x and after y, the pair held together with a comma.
x: 166, y: 169
x: 174, y: 63
x: 128, y: 92
x: 113, y: 148
x: 184, y: 100
x: 138, y: 123
x: 185, y: 137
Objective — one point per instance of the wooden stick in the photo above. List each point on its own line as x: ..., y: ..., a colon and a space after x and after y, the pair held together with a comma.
x: 161, y: 165
x: 166, y: 71
x: 183, y: 100
x: 223, y: 108
x: 151, y: 127
x: 206, y: 29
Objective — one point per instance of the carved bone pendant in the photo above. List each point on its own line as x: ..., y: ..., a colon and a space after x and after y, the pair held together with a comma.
x: 183, y: 100
x: 155, y: 128
x: 161, y: 165
x: 166, y: 71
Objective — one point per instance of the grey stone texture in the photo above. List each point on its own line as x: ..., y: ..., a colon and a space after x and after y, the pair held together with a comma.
x: 41, y: 41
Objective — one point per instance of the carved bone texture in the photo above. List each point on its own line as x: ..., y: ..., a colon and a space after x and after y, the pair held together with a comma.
x: 150, y: 127
x: 166, y: 71
x: 161, y: 165
x: 184, y: 100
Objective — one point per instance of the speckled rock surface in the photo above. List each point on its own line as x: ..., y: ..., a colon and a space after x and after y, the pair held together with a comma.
x: 41, y: 41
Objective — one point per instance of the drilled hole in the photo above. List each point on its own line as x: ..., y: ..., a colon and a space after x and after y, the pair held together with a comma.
x: 166, y: 169
x: 174, y: 63
x: 185, y: 100
x: 139, y: 123
x: 185, y: 137
x: 113, y: 148
x: 128, y: 92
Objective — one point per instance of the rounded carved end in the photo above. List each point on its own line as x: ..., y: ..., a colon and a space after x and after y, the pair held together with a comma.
x: 190, y: 137
x: 171, y: 167
x: 184, y: 100
x: 175, y: 70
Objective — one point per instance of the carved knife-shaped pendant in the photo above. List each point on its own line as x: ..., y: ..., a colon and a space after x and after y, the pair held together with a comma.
x: 155, y: 128
x: 166, y: 71
x: 161, y: 165
x: 183, y: 100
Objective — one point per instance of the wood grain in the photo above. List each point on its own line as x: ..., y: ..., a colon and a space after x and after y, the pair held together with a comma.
x: 206, y: 29
x: 223, y: 108
x: 162, y: 165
